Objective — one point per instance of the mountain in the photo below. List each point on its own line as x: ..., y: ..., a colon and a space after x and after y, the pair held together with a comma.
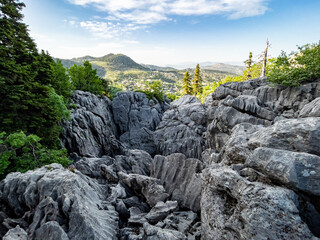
x: 118, y: 62
x: 238, y: 70
x: 127, y: 74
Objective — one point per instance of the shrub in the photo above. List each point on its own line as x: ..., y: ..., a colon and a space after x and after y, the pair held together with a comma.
x: 297, y: 67
x: 21, y: 152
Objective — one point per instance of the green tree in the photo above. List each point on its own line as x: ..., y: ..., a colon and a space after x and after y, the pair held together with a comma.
x: 197, y: 82
x: 249, y: 63
x: 85, y: 78
x: 25, y: 75
x: 21, y: 152
x: 154, y: 90
x: 186, y: 84
x: 60, y: 80
x: 299, y: 67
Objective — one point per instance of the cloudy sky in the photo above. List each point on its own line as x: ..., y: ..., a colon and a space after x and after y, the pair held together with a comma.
x: 172, y: 31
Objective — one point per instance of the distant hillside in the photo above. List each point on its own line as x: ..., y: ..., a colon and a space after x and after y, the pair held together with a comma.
x: 118, y: 62
x: 127, y: 74
x: 238, y: 70
x: 157, y: 68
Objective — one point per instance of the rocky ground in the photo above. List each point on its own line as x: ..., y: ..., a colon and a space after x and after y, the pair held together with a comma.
x: 245, y: 165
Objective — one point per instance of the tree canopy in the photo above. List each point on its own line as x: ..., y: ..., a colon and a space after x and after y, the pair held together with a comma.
x: 28, y: 101
x: 85, y: 78
x: 298, y: 67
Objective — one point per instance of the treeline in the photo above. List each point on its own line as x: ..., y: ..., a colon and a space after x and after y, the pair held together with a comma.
x: 35, y: 95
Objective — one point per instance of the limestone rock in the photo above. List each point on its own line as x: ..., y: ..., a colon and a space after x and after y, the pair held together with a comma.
x: 181, y: 178
x: 181, y: 128
x: 51, y: 231
x: 75, y: 202
x: 157, y: 233
x: 16, y: 233
x: 91, y: 131
x: 161, y: 210
x: 311, y: 109
x: 300, y: 171
x: 146, y: 187
x: 234, y: 208
x: 299, y: 135
x: 184, y: 222
x: 137, y: 118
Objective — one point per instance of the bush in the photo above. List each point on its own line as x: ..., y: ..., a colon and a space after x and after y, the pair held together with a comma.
x: 21, y: 152
x: 172, y: 97
x: 154, y: 90
x: 298, y: 67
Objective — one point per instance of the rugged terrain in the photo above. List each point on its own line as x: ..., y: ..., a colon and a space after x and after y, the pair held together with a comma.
x: 245, y: 165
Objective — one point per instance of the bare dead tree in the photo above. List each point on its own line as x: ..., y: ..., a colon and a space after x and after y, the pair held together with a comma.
x: 264, y: 62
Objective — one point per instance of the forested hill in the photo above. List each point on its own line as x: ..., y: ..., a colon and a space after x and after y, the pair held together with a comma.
x: 127, y: 74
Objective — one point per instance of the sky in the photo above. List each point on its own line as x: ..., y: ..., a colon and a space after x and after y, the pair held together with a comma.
x: 172, y: 32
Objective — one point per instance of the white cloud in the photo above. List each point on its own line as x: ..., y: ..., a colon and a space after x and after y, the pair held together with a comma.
x: 154, y: 11
x: 109, y: 30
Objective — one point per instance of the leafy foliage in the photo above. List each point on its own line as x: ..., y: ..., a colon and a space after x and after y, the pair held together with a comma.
x: 254, y: 71
x: 60, y: 80
x: 298, y: 67
x: 21, y: 152
x: 172, y: 97
x: 27, y: 100
x: 85, y: 78
x: 154, y: 90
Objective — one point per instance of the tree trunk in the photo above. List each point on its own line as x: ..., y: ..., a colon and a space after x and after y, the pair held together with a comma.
x: 264, y: 63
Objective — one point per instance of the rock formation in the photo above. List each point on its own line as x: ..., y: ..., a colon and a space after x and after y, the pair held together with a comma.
x: 182, y: 127
x: 91, y: 131
x: 137, y: 117
x: 261, y: 180
x: 245, y: 165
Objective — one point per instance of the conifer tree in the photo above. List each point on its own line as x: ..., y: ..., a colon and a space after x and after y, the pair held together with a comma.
x: 186, y: 84
x: 249, y: 62
x: 27, y: 101
x: 197, y: 82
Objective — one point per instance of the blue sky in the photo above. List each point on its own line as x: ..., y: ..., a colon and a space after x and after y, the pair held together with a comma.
x: 172, y: 31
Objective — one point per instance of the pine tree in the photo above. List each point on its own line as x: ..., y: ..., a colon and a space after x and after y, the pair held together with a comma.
x: 27, y: 102
x: 249, y: 62
x: 197, y: 82
x: 186, y: 84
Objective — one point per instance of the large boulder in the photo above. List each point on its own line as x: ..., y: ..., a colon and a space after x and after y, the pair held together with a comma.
x: 53, y: 199
x: 180, y: 177
x: 137, y: 117
x: 298, y: 135
x: 311, y: 109
x: 91, y: 131
x: 145, y: 187
x: 235, y: 208
x: 300, y: 171
x: 182, y: 127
